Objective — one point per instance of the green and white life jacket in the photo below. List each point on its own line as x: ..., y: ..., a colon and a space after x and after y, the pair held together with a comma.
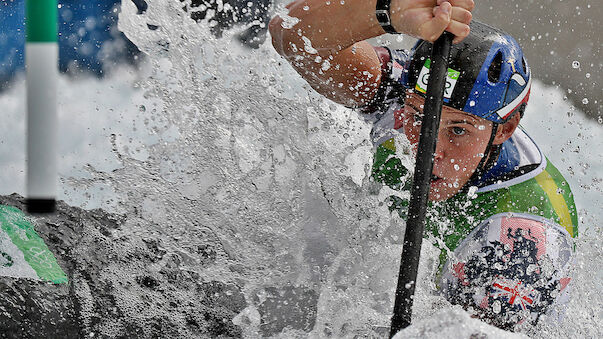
x: 542, y: 192
x: 506, y: 247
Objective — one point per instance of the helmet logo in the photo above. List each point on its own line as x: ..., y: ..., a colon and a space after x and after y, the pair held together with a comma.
x: 512, y: 62
x: 451, y: 79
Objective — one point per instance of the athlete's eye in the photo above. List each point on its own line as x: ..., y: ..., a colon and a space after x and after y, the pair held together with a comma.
x: 458, y: 130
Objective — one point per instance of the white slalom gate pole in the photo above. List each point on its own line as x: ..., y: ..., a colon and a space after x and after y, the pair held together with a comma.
x: 41, y: 60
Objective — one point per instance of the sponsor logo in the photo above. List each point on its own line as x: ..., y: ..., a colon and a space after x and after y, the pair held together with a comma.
x: 451, y: 78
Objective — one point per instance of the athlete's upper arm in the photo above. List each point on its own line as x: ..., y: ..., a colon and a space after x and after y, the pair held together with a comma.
x: 512, y: 268
x: 350, y: 77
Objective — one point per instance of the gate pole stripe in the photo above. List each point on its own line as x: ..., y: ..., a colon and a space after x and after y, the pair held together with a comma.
x: 41, y: 59
x: 41, y: 24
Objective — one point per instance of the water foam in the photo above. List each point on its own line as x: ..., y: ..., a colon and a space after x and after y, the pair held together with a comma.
x: 212, y: 138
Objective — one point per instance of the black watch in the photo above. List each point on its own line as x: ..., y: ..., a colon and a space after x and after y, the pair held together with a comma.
x: 382, y: 13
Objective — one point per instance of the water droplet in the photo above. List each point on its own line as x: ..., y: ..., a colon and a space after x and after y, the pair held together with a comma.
x: 306, y: 8
x: 481, y: 127
x: 452, y: 161
x: 142, y: 108
x: 585, y: 101
x: 455, y: 184
x: 600, y: 120
x: 570, y: 114
x: 587, y: 75
x: 456, y: 167
x: 471, y: 103
x: 576, y: 64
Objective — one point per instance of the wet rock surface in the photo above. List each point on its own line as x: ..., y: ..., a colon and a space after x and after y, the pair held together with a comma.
x: 121, y: 283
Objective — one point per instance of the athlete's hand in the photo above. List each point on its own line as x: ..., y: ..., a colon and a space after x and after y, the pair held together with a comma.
x: 427, y: 19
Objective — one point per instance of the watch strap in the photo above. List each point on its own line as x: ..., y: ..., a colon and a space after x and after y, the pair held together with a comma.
x: 383, y: 16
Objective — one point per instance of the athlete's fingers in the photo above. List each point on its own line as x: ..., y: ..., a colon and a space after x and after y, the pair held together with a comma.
x: 461, y: 15
x: 460, y: 31
x: 432, y: 29
x: 459, y: 24
x: 466, y: 4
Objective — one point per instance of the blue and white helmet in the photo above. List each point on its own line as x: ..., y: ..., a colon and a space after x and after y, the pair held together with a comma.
x: 488, y: 75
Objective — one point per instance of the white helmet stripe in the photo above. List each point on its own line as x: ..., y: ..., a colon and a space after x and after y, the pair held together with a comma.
x: 503, y: 112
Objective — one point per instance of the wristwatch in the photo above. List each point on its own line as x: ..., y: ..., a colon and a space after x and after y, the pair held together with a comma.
x: 382, y: 13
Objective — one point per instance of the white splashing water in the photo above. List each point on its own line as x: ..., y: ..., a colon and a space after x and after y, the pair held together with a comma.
x: 211, y: 135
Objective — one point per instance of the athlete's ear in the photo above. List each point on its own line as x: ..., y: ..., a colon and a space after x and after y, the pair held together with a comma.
x: 505, y: 131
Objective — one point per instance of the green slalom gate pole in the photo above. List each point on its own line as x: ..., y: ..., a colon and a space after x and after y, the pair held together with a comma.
x: 419, y: 193
x: 41, y: 65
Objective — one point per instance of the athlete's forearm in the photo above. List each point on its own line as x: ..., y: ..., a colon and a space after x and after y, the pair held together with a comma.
x: 328, y: 26
x: 324, y: 40
x: 324, y: 27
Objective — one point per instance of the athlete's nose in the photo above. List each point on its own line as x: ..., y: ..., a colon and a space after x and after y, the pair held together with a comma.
x: 439, y: 152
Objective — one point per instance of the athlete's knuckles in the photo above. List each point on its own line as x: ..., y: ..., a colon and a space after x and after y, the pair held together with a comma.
x: 465, y: 30
x: 462, y: 15
x: 460, y: 31
x: 467, y: 17
x: 466, y: 4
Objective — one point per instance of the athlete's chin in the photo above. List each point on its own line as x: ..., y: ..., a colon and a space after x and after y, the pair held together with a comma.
x: 437, y: 196
x: 440, y: 190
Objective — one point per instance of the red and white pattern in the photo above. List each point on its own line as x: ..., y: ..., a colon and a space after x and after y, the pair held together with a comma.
x: 514, y: 292
x: 536, y: 229
x: 459, y: 273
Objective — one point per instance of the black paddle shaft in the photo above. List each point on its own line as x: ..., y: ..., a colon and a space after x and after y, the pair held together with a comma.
x: 421, y: 184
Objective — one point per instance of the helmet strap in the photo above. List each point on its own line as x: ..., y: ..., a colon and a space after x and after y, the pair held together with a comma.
x: 488, y: 160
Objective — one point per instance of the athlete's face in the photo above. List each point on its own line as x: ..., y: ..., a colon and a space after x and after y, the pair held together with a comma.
x: 462, y: 141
